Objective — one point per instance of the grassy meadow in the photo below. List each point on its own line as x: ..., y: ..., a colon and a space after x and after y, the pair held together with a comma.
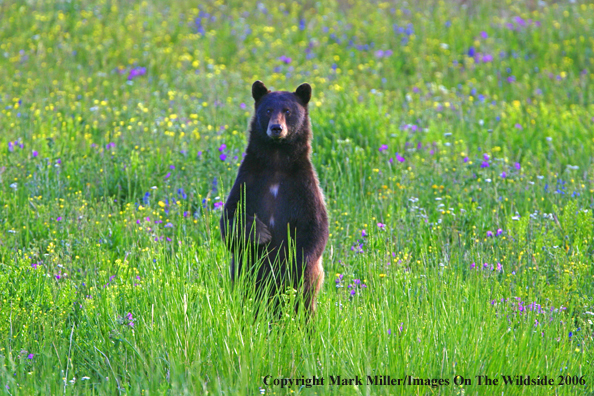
x: 453, y: 141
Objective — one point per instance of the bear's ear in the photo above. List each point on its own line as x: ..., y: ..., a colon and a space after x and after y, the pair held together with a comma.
x: 259, y: 90
x: 303, y: 92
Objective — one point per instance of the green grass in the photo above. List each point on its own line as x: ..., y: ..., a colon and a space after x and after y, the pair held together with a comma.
x: 108, y: 186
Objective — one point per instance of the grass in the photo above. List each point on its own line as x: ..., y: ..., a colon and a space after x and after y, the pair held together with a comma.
x: 453, y: 142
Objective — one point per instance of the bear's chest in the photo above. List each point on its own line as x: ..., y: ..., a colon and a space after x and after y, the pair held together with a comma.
x: 275, y: 200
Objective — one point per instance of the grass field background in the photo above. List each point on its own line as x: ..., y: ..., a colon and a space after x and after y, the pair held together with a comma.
x: 453, y: 141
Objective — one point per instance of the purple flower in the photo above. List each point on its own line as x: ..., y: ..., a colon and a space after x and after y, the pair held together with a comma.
x: 363, y: 233
x: 223, y: 157
x: 167, y: 175
x: 168, y: 225
x: 353, y: 292
x: 484, y: 34
x: 399, y: 158
x: 10, y: 146
x: 59, y: 218
x: 503, y: 174
x: 285, y: 59
x: 222, y: 147
x: 242, y: 106
x: 517, y: 165
x: 511, y: 79
x: 35, y: 153
x: 486, y: 157
x: 465, y: 159
x: 30, y: 356
x: 357, y: 282
x: 172, y: 167
x: 383, y: 147
x: 389, y: 331
x: 218, y: 205
x: 136, y: 71
x: 486, y: 59
x: 484, y: 164
x: 499, y: 267
x: 499, y: 232
x: 112, y: 278
x: 518, y: 126
x: 472, y: 266
x: 489, y: 233
x: 471, y: 51
x: 381, y: 226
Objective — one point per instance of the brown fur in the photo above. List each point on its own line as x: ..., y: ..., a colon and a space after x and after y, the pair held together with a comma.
x: 282, y: 197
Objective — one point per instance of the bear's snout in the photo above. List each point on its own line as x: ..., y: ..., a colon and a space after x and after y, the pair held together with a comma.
x: 276, y: 129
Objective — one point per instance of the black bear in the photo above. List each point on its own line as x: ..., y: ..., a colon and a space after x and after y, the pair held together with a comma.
x: 276, y: 198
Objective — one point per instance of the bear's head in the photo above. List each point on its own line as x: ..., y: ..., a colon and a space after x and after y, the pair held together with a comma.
x: 280, y: 115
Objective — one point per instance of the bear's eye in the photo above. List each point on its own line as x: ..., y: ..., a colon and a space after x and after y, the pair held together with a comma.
x: 287, y: 112
x: 268, y: 111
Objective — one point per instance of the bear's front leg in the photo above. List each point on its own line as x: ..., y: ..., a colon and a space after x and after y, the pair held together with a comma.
x: 250, y: 231
x: 257, y: 230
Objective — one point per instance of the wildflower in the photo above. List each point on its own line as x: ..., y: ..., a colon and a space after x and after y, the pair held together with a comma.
x: 285, y: 59
x: 218, y: 205
x: 399, y: 158
x: 518, y: 126
x: 484, y: 34
x: 499, y: 232
x: 381, y: 226
x: 222, y: 147
x: 503, y: 175
x: 30, y: 356
x: 472, y: 266
x: 517, y: 165
x: 59, y: 218
x: 167, y: 175
x: 484, y: 164
x: 389, y: 331
x: 363, y: 233
x: 302, y: 24
x: 223, y: 157
x: 136, y: 71
x: 489, y: 233
x: 10, y: 146
x: 499, y: 267
x: 383, y: 147
x: 353, y: 292
x: 35, y: 153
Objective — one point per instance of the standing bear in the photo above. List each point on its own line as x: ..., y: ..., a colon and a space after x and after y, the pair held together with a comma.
x: 275, y: 221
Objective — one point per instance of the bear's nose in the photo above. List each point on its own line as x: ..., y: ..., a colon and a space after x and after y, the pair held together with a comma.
x: 276, y: 129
